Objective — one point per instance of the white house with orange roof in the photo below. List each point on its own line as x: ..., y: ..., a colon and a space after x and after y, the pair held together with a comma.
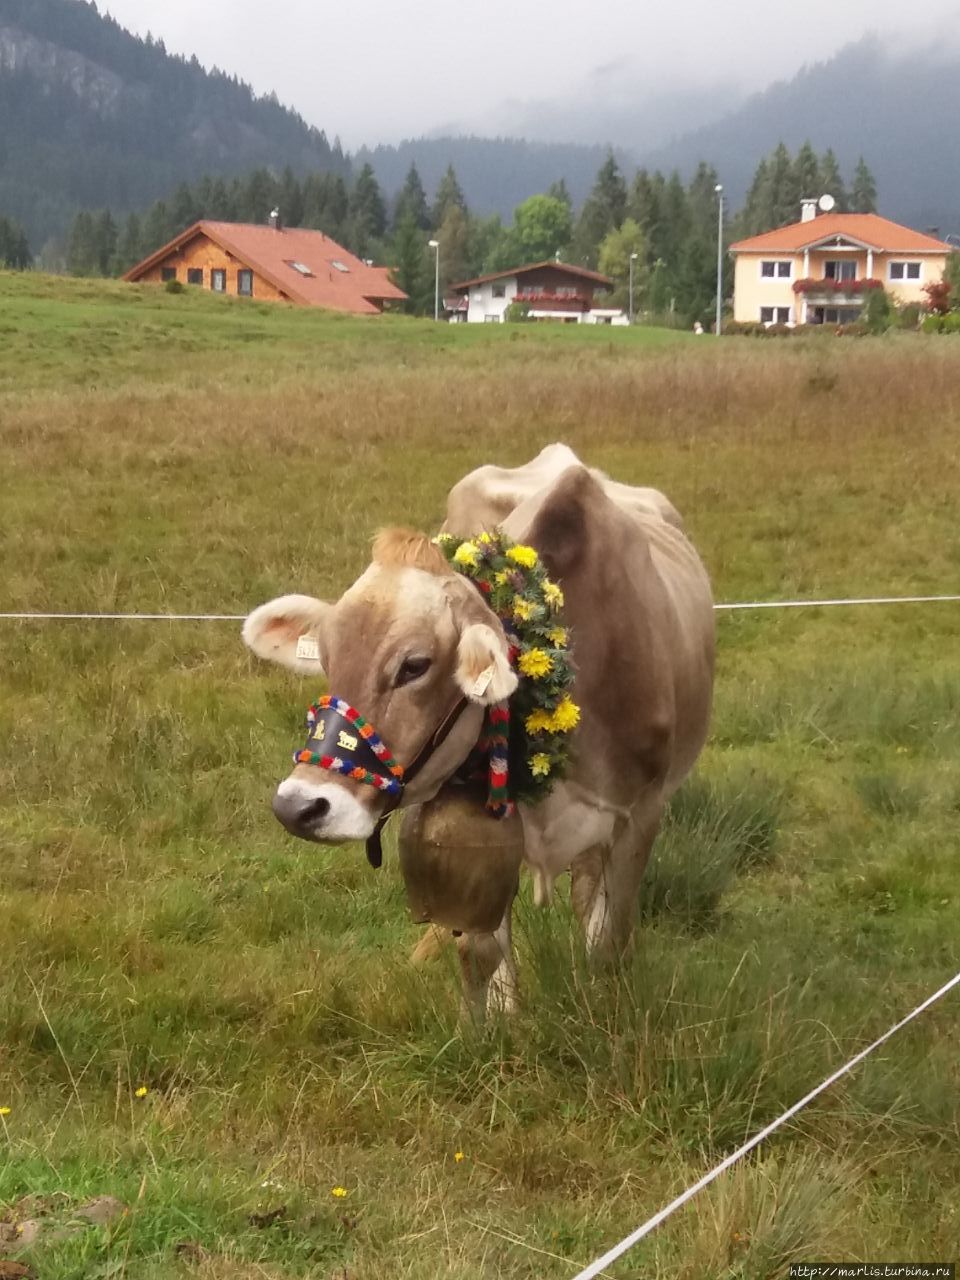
x: 820, y: 270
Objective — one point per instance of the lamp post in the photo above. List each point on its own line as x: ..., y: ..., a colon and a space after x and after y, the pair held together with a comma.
x: 435, y: 246
x: 633, y: 258
x: 719, y: 190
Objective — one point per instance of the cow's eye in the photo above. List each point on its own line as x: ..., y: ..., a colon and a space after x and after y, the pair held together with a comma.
x: 412, y: 669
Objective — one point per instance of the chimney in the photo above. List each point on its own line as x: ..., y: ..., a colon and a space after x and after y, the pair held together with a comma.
x: 275, y: 221
x: 808, y: 210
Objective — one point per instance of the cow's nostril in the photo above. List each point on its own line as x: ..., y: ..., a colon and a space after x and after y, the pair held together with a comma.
x: 314, y: 811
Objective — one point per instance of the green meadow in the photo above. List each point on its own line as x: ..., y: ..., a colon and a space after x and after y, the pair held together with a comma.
x: 221, y: 1027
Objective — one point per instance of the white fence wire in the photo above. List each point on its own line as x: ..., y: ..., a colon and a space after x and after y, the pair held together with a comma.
x: 239, y: 617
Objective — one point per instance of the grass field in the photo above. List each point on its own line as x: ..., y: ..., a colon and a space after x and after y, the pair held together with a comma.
x: 190, y: 453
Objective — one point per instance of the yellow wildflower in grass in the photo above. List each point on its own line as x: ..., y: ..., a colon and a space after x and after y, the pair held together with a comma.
x: 566, y: 716
x: 537, y: 721
x: 540, y: 764
x: 458, y: 1156
x: 525, y: 556
x: 141, y: 1092
x: 536, y: 663
x: 557, y: 637
x: 467, y: 555
x: 5, y: 1111
x: 553, y: 595
x: 522, y: 610
x: 339, y: 1193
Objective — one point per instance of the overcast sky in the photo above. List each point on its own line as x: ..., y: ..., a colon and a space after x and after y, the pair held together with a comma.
x: 386, y: 69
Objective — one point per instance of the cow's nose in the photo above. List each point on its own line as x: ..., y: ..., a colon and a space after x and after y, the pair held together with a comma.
x: 301, y: 815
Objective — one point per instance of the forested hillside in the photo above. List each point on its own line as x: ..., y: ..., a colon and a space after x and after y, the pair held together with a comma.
x: 900, y: 110
x: 93, y: 116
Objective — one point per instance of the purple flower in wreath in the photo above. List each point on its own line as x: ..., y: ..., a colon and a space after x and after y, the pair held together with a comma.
x: 517, y: 580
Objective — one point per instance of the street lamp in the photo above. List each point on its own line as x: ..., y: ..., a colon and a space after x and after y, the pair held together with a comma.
x: 633, y: 258
x: 435, y: 246
x: 719, y: 190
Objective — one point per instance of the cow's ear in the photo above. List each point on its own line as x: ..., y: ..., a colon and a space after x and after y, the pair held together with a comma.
x: 483, y: 669
x: 560, y: 529
x: 289, y: 630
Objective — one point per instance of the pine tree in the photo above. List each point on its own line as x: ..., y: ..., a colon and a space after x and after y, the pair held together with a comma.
x: 157, y: 228
x: 784, y: 193
x: 408, y: 255
x: 806, y: 173
x: 832, y: 181
x: 558, y: 191
x: 602, y: 212
x: 863, y: 193
x: 130, y: 246
x: 185, y: 210
x: 412, y: 202
x: 82, y: 255
x: 757, y: 213
x: 449, y: 195
x: 702, y: 198
x: 643, y: 206
x: 14, y: 250
x: 290, y: 198
x: 105, y: 238
x: 367, y: 212
x: 453, y: 235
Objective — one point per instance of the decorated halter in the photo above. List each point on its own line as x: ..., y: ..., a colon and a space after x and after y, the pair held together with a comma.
x: 339, y: 739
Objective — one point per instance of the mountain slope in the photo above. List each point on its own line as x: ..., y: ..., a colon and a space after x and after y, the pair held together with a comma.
x: 92, y: 116
x: 897, y: 111
x: 496, y: 174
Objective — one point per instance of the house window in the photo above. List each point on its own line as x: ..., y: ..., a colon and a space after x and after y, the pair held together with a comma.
x: 491, y: 319
x: 301, y: 267
x: 168, y: 273
x: 195, y: 275
x: 904, y: 270
x: 338, y: 265
x: 840, y: 270
x: 245, y: 283
x: 776, y: 270
x: 499, y: 290
x: 774, y: 315
x: 218, y: 280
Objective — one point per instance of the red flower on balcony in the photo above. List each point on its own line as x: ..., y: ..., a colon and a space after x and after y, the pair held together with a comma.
x: 827, y: 285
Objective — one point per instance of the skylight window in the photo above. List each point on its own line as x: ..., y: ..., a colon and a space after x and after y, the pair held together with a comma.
x: 340, y: 266
x: 301, y: 267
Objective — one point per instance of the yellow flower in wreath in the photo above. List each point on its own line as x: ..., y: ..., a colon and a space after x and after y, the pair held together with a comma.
x: 538, y: 721
x: 467, y: 555
x: 525, y: 556
x: 536, y: 663
x: 553, y: 595
x: 557, y: 637
x: 540, y: 764
x: 523, y: 610
x: 566, y: 716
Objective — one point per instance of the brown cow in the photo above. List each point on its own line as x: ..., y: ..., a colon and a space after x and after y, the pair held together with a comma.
x: 412, y: 636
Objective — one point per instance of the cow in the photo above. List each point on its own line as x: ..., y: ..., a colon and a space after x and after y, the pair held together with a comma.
x: 412, y: 639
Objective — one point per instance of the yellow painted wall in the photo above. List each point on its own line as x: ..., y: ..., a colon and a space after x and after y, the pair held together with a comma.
x: 752, y: 291
x: 201, y: 253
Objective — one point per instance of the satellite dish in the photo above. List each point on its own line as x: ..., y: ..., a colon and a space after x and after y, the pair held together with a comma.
x: 826, y: 203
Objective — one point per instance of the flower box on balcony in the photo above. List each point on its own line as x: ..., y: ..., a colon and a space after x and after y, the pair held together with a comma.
x: 827, y: 285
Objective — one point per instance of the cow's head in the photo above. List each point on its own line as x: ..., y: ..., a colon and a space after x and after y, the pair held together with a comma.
x: 403, y: 645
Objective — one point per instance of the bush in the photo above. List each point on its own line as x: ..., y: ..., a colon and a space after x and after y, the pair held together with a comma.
x: 950, y: 323
x: 908, y: 316
x: 174, y: 286
x: 517, y: 311
x: 878, y: 311
x: 932, y: 323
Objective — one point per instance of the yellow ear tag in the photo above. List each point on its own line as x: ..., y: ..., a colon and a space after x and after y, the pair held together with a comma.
x: 309, y: 648
x: 482, y: 682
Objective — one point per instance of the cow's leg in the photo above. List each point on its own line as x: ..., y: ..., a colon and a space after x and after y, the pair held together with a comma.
x: 488, y: 969
x: 606, y: 884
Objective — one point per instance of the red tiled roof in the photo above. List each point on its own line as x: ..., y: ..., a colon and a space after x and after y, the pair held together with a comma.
x: 867, y: 228
x: 269, y: 252
x: 581, y: 273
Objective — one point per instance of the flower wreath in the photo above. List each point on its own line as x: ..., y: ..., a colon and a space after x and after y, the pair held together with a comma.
x: 534, y: 731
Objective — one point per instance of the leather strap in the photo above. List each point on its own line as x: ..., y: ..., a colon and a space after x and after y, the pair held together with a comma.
x: 374, y: 845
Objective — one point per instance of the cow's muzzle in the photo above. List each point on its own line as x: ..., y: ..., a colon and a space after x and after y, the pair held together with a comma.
x: 325, y: 811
